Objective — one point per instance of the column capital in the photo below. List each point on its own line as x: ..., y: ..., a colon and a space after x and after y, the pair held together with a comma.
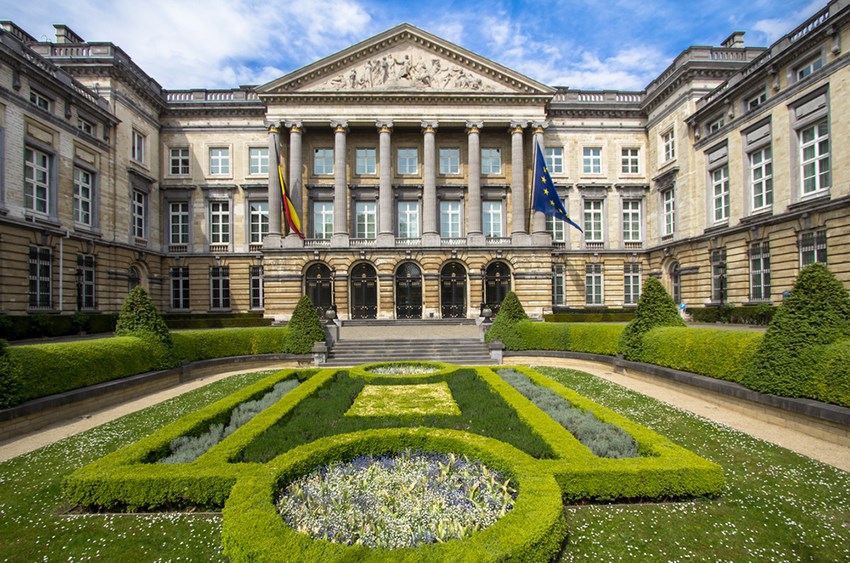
x: 539, y: 127
x: 518, y: 126
x: 294, y: 126
x: 273, y: 128
x: 384, y: 126
x: 339, y: 126
x: 474, y: 126
x: 429, y: 126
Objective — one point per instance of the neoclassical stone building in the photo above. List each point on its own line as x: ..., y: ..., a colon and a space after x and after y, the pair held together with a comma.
x: 409, y: 161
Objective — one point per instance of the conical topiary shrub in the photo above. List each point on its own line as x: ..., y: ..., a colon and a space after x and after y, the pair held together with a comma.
x: 655, y: 308
x: 817, y: 313
x: 510, y: 313
x: 139, y: 317
x: 305, y: 328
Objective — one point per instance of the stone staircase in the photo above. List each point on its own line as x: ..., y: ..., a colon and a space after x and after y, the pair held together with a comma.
x: 465, y: 351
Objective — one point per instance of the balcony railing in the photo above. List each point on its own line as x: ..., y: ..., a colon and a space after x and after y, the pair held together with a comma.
x: 498, y: 241
x: 317, y: 243
x: 219, y: 248
x: 361, y: 242
x: 178, y: 248
x: 593, y: 245
x: 408, y: 241
x: 453, y: 241
x: 633, y: 245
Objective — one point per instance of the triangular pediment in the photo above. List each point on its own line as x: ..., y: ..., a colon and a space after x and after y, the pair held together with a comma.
x: 405, y: 60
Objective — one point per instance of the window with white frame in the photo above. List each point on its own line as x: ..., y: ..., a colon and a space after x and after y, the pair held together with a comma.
x: 491, y: 215
x: 257, y: 287
x: 668, y: 202
x: 450, y: 221
x: 219, y: 222
x: 258, y: 161
x: 630, y: 161
x: 258, y: 222
x: 323, y: 162
x: 86, y: 126
x: 366, y: 161
x: 668, y: 144
x: 808, y: 67
x: 140, y: 214
x: 40, y: 100
x: 137, y: 147
x: 449, y: 161
x: 180, y: 287
x: 219, y: 161
x: 365, y: 213
x: 760, y: 271
x: 756, y: 100
x: 491, y: 161
x: 86, y: 282
x: 323, y: 219
x: 219, y: 287
x: 593, y: 284
x: 718, y: 173
x: 408, y: 219
x: 632, y: 220
x: 718, y: 275
x: 408, y: 161
x: 631, y: 283
x: 592, y: 160
x: 814, y: 157
x: 178, y: 221
x: 37, y: 181
x: 554, y: 157
x: 83, y: 196
x: 593, y: 220
x: 40, y: 278
x: 813, y: 247
x: 715, y: 124
x: 556, y: 228
x: 761, y: 178
x: 178, y: 161
x: 559, y: 285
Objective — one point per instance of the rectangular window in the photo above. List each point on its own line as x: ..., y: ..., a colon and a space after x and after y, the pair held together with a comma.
x: 450, y: 219
x: 323, y: 162
x: 219, y: 222
x: 178, y: 220
x: 178, y: 162
x: 761, y: 178
x: 139, y: 214
x: 40, y: 278
x: 720, y: 197
x: 220, y: 287
x: 592, y: 161
x: 760, y: 271
x: 36, y: 181
x: 83, y: 191
x: 85, y: 126
x: 449, y: 161
x: 718, y: 275
x: 814, y: 149
x: 631, y: 283
x: 813, y: 248
x: 554, y: 158
x: 323, y: 219
x: 491, y: 161
x: 668, y: 141
x: 219, y: 161
x: 632, y: 220
x: 556, y: 228
x: 86, y: 282
x: 180, y: 287
x: 669, y: 202
x: 593, y: 283
x: 257, y: 289
x: 39, y: 100
x: 593, y: 220
x: 137, y: 147
x: 259, y: 221
x: 366, y: 220
x: 809, y: 67
x: 558, y: 285
x: 716, y: 125
x: 408, y: 219
x: 491, y: 215
x: 756, y: 100
x: 366, y: 161
x: 630, y: 161
x: 408, y: 161
x: 258, y: 160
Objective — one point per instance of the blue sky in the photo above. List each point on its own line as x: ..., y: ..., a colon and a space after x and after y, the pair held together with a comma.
x: 589, y: 44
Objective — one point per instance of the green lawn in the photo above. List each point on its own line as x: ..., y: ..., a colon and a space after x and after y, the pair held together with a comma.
x: 778, y: 505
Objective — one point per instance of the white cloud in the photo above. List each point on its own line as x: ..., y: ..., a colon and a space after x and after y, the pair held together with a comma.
x: 775, y: 28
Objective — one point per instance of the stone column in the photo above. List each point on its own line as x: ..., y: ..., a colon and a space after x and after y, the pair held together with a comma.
x: 519, y: 232
x: 340, y: 236
x: 386, y: 231
x: 539, y: 234
x: 430, y: 235
x: 272, y: 239
x: 473, y: 231
x: 294, y: 188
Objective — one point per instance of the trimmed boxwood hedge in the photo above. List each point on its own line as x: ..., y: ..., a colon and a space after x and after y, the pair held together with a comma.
x: 718, y: 353
x: 194, y: 345
x: 591, y: 338
x: 591, y: 316
x: 827, y: 372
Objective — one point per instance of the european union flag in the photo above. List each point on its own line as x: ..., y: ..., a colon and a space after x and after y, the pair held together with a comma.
x: 545, y: 197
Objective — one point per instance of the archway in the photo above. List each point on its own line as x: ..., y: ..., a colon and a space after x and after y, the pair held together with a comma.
x: 453, y: 291
x: 318, y: 286
x: 364, y: 292
x: 408, y: 291
x: 497, y: 284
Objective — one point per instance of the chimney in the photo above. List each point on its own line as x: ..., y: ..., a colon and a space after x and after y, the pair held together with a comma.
x: 65, y: 34
x: 734, y: 41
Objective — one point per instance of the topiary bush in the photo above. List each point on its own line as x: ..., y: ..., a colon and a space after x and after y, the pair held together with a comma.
x: 139, y: 317
x: 817, y: 313
x: 305, y: 328
x: 655, y: 308
x: 510, y: 313
x: 828, y: 372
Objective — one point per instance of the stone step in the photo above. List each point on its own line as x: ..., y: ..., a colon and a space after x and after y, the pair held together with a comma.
x: 457, y: 351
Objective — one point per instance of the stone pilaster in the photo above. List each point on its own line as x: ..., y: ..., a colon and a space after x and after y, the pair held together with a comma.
x: 340, y: 235
x: 474, y: 233
x: 386, y: 230
x: 430, y: 235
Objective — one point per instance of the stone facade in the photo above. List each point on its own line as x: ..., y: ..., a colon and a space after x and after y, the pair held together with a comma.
x: 409, y: 160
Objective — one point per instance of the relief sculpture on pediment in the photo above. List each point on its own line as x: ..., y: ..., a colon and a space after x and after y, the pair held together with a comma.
x: 407, y: 70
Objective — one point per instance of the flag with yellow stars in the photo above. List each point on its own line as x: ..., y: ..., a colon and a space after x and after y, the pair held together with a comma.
x: 545, y: 196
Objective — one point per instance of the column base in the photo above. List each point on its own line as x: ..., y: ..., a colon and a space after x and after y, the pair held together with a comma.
x: 476, y: 239
x: 520, y: 239
x: 340, y: 240
x: 293, y: 241
x: 541, y: 239
x: 271, y: 242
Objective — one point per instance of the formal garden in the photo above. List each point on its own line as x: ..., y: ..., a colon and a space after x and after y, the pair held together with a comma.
x: 429, y: 461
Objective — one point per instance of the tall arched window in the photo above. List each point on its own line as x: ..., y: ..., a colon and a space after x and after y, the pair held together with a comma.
x: 453, y: 291
x: 318, y: 286
x: 497, y: 284
x: 364, y: 292
x: 408, y: 291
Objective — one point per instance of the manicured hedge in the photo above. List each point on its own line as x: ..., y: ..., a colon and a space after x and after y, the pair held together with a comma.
x: 718, y: 353
x: 18, y: 327
x: 744, y: 314
x: 827, y: 372
x: 46, y: 369
x: 591, y: 316
x: 194, y: 345
x: 591, y: 338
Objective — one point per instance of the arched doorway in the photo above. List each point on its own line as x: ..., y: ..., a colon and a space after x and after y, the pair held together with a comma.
x: 318, y: 287
x: 453, y: 291
x: 364, y: 292
x: 408, y: 291
x: 676, y: 282
x: 497, y: 284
